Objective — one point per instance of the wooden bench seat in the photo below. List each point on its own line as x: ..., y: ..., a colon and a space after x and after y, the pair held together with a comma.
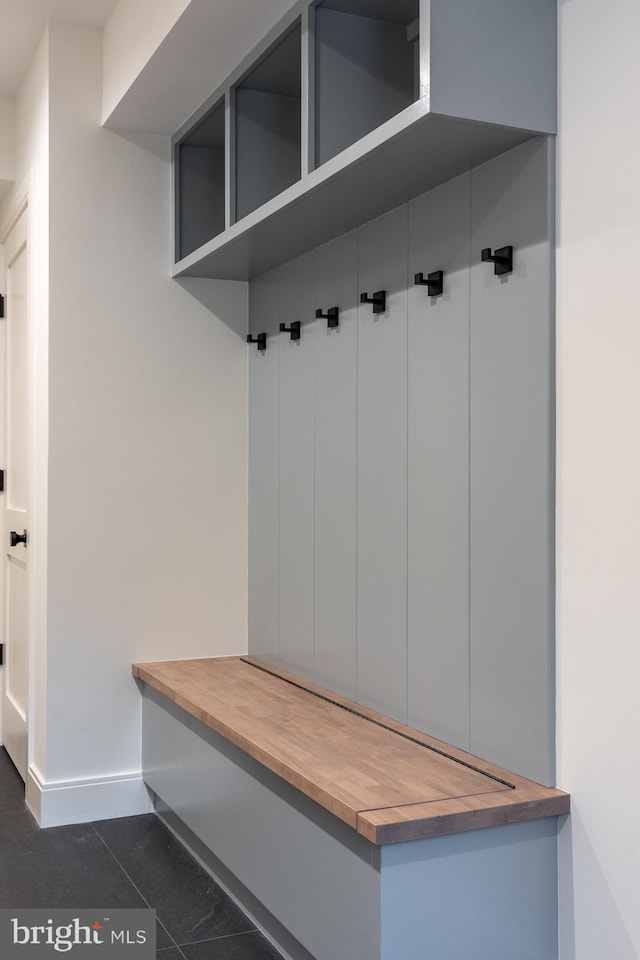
x: 385, y: 780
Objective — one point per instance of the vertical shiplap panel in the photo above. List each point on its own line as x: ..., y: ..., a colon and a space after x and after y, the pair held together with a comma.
x: 382, y: 467
x: 336, y: 467
x: 264, y: 467
x: 438, y: 575
x: 512, y: 690
x: 297, y: 451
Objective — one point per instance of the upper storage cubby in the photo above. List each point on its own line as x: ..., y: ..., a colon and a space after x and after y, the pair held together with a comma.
x: 367, y: 68
x: 200, y: 182
x: 349, y: 108
x: 268, y: 151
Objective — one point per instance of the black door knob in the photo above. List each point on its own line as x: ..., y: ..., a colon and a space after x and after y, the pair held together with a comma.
x: 17, y: 538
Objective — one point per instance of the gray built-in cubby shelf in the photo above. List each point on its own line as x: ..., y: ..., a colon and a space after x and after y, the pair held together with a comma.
x: 367, y: 68
x: 268, y: 145
x: 349, y: 108
x: 200, y: 182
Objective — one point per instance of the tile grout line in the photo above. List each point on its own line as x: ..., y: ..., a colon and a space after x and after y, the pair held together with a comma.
x: 226, y: 936
x: 174, y: 945
x: 135, y: 887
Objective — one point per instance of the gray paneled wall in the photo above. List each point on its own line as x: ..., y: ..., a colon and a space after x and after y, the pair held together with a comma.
x: 264, y: 471
x: 382, y: 466
x: 297, y: 471
x: 336, y: 467
x: 438, y: 466
x: 512, y: 467
x: 401, y: 467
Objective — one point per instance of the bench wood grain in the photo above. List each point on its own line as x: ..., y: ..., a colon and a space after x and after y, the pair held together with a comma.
x: 387, y: 781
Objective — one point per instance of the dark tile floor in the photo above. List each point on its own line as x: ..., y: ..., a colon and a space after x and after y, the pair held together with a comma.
x: 131, y: 862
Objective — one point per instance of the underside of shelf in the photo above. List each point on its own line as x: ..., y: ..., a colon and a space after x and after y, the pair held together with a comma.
x: 358, y: 185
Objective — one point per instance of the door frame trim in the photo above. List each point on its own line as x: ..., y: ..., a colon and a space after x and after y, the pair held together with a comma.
x: 19, y: 202
x: 24, y: 199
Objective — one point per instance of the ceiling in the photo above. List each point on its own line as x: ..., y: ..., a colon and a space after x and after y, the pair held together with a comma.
x: 208, y: 40
x: 22, y: 23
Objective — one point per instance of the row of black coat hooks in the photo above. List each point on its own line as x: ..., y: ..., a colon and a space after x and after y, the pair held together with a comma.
x: 502, y: 260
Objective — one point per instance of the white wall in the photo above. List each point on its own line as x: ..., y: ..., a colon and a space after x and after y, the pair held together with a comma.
x: 32, y: 174
x: 599, y: 477
x: 134, y: 31
x: 147, y: 448
x: 7, y: 143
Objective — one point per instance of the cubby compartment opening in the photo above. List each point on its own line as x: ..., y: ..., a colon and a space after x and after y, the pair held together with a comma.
x: 200, y: 183
x: 367, y: 68
x: 268, y: 109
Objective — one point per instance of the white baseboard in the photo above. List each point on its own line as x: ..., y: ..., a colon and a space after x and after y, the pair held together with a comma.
x: 81, y: 801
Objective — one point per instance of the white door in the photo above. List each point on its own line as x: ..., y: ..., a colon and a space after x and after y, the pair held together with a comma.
x: 15, y: 499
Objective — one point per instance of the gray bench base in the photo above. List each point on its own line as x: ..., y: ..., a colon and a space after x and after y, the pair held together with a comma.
x: 322, y: 891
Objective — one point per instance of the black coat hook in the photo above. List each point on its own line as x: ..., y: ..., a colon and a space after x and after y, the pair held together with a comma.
x: 502, y: 259
x: 293, y: 330
x: 378, y: 299
x: 435, y: 282
x: 261, y: 340
x: 332, y: 316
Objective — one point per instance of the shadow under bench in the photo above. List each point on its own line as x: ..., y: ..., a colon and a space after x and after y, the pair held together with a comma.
x: 346, y: 833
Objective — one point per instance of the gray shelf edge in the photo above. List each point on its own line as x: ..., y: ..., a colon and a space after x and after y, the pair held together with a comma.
x: 420, y: 149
